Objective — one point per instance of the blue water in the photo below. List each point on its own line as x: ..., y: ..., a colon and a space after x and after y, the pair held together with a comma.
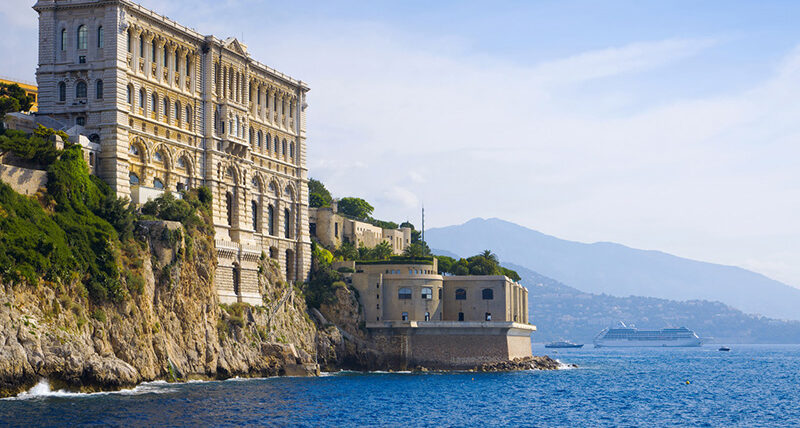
x: 749, y: 386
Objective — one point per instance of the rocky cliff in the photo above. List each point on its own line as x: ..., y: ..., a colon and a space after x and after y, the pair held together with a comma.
x: 172, y: 327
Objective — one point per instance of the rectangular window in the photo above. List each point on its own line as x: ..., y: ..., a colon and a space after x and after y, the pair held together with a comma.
x: 82, y: 59
x: 404, y: 316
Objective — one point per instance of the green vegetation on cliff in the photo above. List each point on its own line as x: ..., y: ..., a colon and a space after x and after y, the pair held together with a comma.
x: 78, y: 229
x: 323, y: 279
x: 71, y: 230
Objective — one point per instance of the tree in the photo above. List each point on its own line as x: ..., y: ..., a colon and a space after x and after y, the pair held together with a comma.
x: 13, y: 98
x: 511, y: 274
x: 416, y: 236
x: 318, y: 195
x: 407, y: 224
x: 29, y: 147
x: 489, y: 255
x: 445, y: 264
x: 382, y: 251
x: 355, y: 207
x: 417, y: 250
x: 364, y: 253
x: 346, y: 251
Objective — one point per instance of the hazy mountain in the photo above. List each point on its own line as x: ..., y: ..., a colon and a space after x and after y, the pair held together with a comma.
x: 618, y: 270
x: 563, y: 312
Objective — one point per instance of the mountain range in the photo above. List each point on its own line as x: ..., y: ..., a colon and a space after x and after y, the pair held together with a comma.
x: 616, y: 270
x: 563, y: 312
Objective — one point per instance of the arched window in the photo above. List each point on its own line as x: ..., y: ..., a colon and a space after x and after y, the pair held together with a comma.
x: 62, y: 91
x: 216, y: 122
x: 157, y: 156
x: 100, y: 36
x: 251, y: 136
x: 141, y: 46
x: 154, y: 103
x: 99, y: 89
x: 181, y: 162
x: 188, y: 115
x: 130, y: 94
x: 404, y: 316
x: 427, y: 316
x: 63, y: 39
x: 291, y: 150
x: 404, y: 293
x: 287, y: 229
x: 178, y: 112
x: 166, y: 57
x: 229, y: 207
x: 268, y: 141
x: 133, y: 150
x: 82, y: 37
x: 166, y: 109
x: 259, y: 137
x: 427, y: 293
x: 284, y: 147
x: 130, y: 45
x: 487, y: 294
x: 141, y: 99
x: 158, y: 184
x: 80, y: 89
x: 461, y: 294
x: 254, y: 207
x: 271, y: 220
x: 133, y: 178
x: 80, y: 120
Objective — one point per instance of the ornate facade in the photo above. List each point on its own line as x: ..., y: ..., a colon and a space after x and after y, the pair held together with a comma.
x: 173, y: 109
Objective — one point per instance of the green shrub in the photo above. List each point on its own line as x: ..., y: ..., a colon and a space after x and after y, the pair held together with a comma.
x: 237, y: 321
x: 32, y: 148
x: 99, y: 315
x: 345, y: 269
x: 134, y: 281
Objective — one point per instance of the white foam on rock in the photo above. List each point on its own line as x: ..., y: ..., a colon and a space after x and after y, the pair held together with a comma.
x: 42, y: 390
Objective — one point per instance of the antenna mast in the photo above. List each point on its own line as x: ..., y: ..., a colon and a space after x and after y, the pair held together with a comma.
x: 423, y: 222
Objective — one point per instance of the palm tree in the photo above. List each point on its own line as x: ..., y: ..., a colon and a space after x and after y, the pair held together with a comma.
x: 489, y: 255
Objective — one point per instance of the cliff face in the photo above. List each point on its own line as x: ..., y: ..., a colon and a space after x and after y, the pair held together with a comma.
x: 172, y: 328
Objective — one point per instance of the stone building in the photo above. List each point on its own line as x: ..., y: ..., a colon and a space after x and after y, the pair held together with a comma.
x: 423, y: 318
x: 332, y: 229
x: 171, y: 108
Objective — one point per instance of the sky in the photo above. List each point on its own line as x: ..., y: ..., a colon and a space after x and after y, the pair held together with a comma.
x: 659, y: 125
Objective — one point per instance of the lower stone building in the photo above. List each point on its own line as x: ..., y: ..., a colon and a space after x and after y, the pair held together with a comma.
x: 331, y: 229
x: 422, y: 318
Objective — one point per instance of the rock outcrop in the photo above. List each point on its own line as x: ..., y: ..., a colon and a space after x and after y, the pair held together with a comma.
x: 171, y: 326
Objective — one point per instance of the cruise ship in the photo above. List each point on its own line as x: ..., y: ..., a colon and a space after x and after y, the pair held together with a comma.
x: 624, y: 336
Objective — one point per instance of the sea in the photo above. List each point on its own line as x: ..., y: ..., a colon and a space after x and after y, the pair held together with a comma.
x: 750, y: 386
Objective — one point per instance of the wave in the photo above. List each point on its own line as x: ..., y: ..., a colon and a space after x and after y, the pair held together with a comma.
x: 565, y: 366
x: 42, y: 390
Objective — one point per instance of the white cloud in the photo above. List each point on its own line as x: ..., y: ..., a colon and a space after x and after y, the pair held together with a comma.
x: 587, y: 146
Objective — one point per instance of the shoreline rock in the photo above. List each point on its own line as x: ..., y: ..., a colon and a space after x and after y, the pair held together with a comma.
x: 517, y: 364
